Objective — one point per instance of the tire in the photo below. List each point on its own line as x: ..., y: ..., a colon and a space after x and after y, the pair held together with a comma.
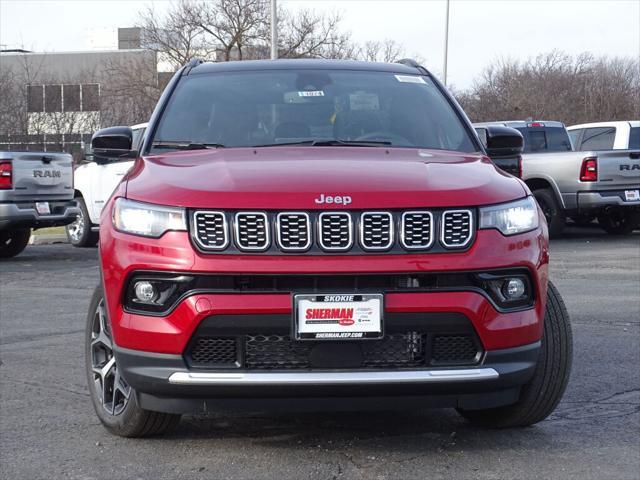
x: 116, y: 406
x: 552, y: 211
x: 12, y: 242
x: 79, y: 232
x: 541, y: 395
x: 619, y: 222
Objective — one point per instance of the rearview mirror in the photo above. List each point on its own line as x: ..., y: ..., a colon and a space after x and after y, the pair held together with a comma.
x: 502, y: 141
x: 113, y: 143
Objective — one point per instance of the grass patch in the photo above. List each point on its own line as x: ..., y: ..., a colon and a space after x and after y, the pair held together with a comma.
x: 49, y: 231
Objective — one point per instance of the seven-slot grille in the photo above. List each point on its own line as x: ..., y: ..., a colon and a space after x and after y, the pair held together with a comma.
x: 211, y: 231
x: 340, y: 232
x: 252, y: 232
x: 417, y: 230
x: 293, y: 231
x: 335, y: 231
x: 376, y: 230
x: 456, y: 228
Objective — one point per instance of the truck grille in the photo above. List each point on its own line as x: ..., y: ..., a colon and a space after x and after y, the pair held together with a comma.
x: 264, y: 351
x: 336, y: 232
x: 376, y: 230
x: 331, y: 232
x: 252, y: 232
x: 210, y: 231
x: 456, y: 228
x: 294, y: 231
x: 417, y: 230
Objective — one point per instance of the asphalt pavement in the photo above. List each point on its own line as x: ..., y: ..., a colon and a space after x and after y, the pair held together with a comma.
x: 48, y: 428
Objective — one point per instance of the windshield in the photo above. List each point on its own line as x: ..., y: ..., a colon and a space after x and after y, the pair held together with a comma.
x: 310, y: 107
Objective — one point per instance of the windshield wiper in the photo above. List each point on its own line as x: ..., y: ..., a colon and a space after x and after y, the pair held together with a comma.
x: 330, y: 143
x: 186, y: 145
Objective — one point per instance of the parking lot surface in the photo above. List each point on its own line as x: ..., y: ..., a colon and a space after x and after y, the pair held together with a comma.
x: 48, y: 428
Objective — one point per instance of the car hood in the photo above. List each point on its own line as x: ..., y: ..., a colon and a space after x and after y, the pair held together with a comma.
x: 295, y: 177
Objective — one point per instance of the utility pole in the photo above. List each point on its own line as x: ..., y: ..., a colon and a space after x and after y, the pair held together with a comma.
x: 446, y: 44
x: 274, y: 30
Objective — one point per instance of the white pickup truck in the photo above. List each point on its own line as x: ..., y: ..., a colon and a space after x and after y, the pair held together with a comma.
x: 95, y: 181
x: 606, y: 136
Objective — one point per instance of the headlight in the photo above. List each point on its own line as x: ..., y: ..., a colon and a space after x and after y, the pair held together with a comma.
x: 146, y: 219
x: 511, y: 218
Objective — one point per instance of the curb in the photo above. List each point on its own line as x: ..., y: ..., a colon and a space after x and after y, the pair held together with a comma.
x: 48, y: 239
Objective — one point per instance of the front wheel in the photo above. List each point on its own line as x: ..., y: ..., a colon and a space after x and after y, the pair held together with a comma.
x: 79, y: 233
x: 541, y: 395
x: 13, y: 242
x: 114, y: 400
x: 619, y: 222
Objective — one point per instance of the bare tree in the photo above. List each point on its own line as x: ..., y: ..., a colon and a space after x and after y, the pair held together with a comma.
x: 308, y: 34
x: 387, y: 50
x: 176, y: 36
x: 556, y: 86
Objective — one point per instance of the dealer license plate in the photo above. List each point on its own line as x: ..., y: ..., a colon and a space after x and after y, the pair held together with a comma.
x: 632, y: 195
x: 338, y: 316
x: 43, y: 208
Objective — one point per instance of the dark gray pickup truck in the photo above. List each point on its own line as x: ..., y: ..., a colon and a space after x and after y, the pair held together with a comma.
x: 36, y: 191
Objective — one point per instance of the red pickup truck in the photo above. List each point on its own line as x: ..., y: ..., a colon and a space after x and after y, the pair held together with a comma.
x: 320, y: 234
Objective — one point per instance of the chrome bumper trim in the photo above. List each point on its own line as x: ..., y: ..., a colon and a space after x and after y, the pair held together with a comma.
x: 332, y: 378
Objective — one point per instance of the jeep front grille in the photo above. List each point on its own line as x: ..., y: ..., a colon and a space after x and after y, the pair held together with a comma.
x: 328, y: 232
x: 376, y: 230
x: 210, y: 230
x: 252, y: 231
x: 456, y: 228
x: 335, y: 231
x: 293, y: 231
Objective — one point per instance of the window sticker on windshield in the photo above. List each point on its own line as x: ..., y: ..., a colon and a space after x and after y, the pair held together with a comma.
x: 311, y: 93
x: 364, y: 101
x: 410, y: 79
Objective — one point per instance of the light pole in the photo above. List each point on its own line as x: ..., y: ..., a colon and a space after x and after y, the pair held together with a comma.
x: 446, y: 44
x: 274, y: 30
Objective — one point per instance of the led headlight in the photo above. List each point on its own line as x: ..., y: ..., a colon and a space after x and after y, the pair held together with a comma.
x: 511, y: 218
x: 146, y: 219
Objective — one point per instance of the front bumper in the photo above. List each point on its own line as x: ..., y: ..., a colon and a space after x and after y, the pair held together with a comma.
x: 24, y: 215
x: 165, y: 383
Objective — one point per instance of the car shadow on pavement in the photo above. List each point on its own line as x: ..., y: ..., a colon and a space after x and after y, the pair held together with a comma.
x: 393, y: 431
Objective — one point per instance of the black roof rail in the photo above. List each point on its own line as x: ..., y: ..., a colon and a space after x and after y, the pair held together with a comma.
x: 410, y: 62
x: 194, y: 62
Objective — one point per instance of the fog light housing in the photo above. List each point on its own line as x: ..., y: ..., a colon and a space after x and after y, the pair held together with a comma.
x: 508, y: 289
x: 155, y: 293
x: 145, y: 292
x: 513, y: 288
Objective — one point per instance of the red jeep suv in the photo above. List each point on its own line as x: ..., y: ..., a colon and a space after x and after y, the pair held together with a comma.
x: 320, y: 234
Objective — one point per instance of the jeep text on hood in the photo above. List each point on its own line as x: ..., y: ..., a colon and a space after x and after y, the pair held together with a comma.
x: 320, y: 231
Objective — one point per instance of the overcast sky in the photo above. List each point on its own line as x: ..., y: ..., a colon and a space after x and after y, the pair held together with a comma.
x: 480, y: 30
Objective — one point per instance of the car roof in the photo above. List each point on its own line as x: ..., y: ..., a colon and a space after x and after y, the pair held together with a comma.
x: 632, y: 123
x: 520, y: 123
x: 297, y: 64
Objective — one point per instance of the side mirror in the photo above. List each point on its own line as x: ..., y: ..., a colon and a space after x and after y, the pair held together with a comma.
x: 503, y: 141
x: 113, y: 143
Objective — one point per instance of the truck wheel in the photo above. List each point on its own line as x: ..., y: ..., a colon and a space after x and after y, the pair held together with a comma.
x: 541, y: 395
x: 113, y: 399
x: 79, y: 232
x: 13, y: 242
x: 552, y: 211
x: 619, y: 222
